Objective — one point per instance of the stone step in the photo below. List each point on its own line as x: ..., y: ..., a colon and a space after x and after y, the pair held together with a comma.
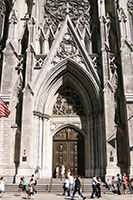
x: 59, y: 181
x: 48, y: 188
x: 55, y: 185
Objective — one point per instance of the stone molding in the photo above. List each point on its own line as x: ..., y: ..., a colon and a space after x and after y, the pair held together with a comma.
x: 42, y: 115
x: 129, y: 98
x: 6, y: 98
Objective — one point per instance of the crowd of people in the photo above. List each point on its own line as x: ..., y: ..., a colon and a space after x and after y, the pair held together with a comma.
x: 27, y: 189
x: 71, y: 187
x: 119, y: 184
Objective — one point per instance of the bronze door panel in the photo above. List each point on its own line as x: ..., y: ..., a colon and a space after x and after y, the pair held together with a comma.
x: 68, y: 150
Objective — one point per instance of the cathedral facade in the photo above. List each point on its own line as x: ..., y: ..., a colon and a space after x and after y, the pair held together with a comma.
x: 66, y: 74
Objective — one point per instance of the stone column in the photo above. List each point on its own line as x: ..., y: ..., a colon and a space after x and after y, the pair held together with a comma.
x: 87, y: 144
x: 26, y: 154
x: 46, y: 171
x: 92, y: 158
x: 27, y: 140
x: 102, y: 145
x: 40, y: 142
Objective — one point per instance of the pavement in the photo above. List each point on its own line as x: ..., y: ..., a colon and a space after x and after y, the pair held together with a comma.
x: 57, y: 196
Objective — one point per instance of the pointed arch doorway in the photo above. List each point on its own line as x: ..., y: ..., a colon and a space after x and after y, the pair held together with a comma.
x: 68, y: 150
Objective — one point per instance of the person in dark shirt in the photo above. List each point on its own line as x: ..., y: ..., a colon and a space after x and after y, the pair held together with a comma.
x: 119, y: 184
x: 77, y: 188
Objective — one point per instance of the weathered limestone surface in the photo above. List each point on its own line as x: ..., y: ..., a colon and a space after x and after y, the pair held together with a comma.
x: 66, y: 64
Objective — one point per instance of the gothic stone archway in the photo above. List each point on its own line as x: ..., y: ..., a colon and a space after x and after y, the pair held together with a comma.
x: 68, y: 150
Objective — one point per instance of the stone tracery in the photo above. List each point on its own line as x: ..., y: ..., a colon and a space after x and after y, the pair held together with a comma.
x: 79, y: 12
x: 68, y: 102
x: 130, y: 6
x: 60, y: 8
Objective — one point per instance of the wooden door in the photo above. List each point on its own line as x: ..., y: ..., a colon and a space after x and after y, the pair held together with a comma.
x: 68, y: 150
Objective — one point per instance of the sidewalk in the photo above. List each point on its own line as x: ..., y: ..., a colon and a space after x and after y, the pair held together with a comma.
x: 51, y: 196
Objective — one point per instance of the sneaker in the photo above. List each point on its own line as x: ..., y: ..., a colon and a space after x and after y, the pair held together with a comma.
x: 84, y: 197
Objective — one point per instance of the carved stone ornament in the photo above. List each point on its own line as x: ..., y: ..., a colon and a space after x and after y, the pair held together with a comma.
x: 68, y: 102
x: 113, y: 71
x: 68, y: 48
x: 13, y: 18
x: 67, y: 134
x: 2, y: 7
x: 56, y: 125
x: 60, y: 8
x: 39, y: 59
x: 130, y: 6
x: 122, y: 16
x: 56, y: 11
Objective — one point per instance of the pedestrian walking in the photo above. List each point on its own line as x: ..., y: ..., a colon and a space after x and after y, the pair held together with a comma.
x: 34, y: 182
x: 71, y: 182
x: 95, y: 182
x: 99, y: 188
x: 77, y: 188
x: 24, y: 185
x: 119, y: 180
x: 31, y: 190
x: 66, y: 187
x: 20, y: 186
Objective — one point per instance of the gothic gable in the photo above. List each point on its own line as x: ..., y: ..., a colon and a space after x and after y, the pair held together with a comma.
x: 67, y: 45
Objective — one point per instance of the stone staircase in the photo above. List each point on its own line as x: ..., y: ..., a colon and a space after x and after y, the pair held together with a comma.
x: 55, y: 186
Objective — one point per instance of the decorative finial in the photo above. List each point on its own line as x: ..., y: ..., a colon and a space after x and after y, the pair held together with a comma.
x: 67, y: 7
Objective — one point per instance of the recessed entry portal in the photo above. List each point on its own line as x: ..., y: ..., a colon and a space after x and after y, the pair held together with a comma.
x: 68, y: 150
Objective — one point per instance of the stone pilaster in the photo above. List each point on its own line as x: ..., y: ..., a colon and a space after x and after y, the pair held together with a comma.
x: 47, y: 150
x: 127, y: 61
x: 109, y: 113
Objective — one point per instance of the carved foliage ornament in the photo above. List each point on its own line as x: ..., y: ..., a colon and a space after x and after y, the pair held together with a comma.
x: 130, y: 6
x: 59, y: 8
x: 68, y: 102
x: 56, y: 11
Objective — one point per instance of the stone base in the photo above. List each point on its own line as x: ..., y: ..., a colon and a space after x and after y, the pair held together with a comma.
x: 111, y: 171
x: 45, y: 173
x: 131, y: 172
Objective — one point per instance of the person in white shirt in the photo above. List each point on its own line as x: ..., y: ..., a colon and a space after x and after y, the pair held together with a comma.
x: 95, y: 182
x: 66, y: 187
x: 71, y: 182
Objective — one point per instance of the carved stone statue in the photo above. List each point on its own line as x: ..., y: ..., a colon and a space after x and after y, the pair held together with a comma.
x: 107, y: 29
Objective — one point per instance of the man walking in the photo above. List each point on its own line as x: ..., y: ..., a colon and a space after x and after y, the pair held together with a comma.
x: 95, y: 182
x: 77, y: 188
